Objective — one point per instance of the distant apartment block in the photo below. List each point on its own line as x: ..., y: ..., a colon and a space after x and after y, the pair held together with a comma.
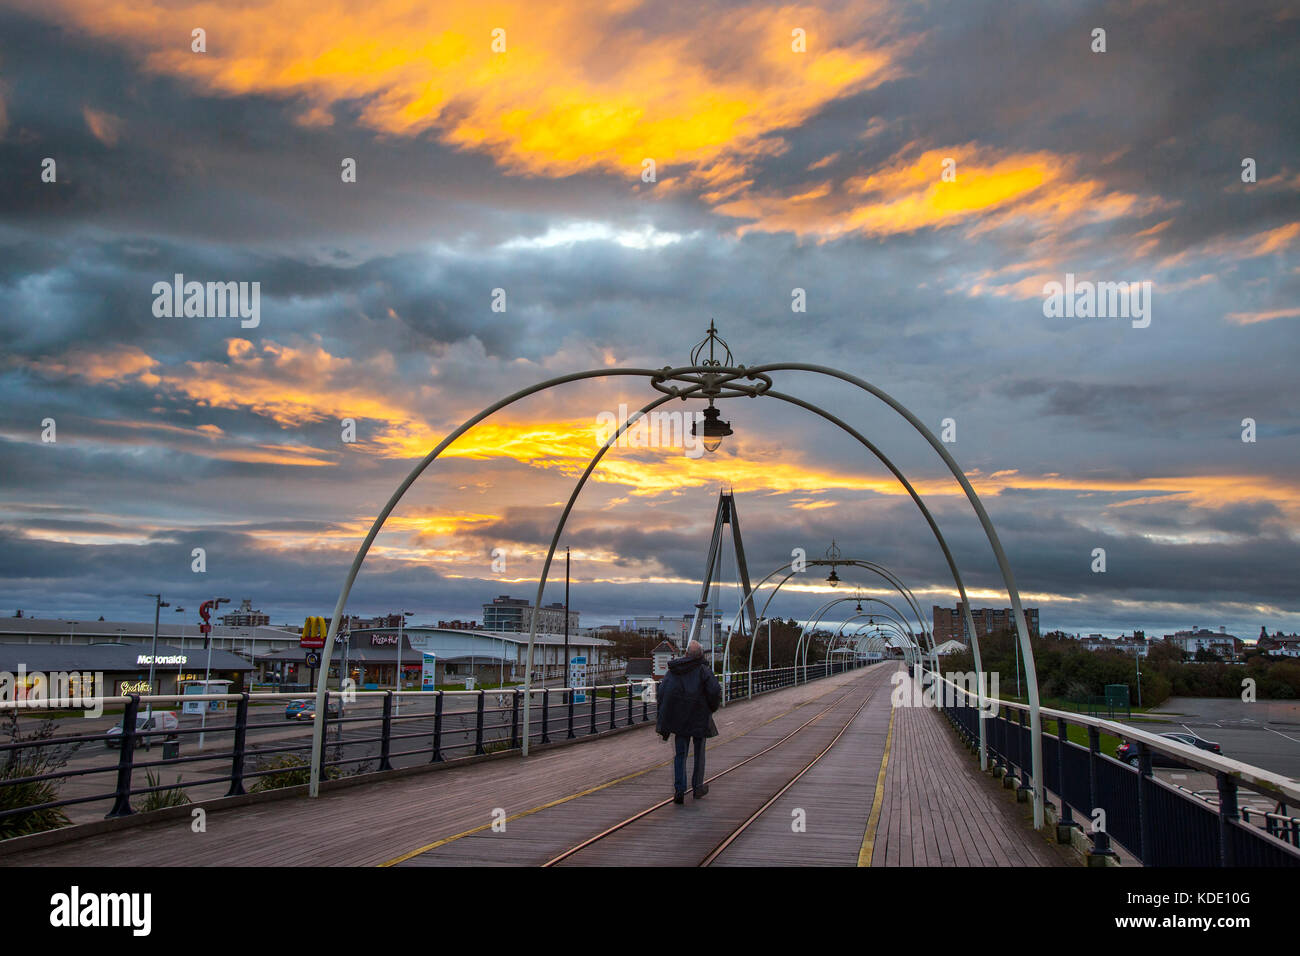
x: 245, y: 616
x: 949, y: 622
x: 512, y: 615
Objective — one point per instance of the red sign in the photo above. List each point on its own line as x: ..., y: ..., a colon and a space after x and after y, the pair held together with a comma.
x: 314, y: 632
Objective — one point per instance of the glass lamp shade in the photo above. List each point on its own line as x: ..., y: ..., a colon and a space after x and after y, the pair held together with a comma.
x: 712, y: 430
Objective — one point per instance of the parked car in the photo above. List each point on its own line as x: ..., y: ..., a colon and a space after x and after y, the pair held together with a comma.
x: 306, y: 709
x: 160, y: 720
x: 1128, y: 753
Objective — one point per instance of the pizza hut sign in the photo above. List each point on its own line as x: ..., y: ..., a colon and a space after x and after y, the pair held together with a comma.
x: 383, y: 640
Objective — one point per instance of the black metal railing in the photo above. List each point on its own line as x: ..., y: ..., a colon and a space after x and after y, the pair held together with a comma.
x: 1157, y: 822
x: 363, y: 732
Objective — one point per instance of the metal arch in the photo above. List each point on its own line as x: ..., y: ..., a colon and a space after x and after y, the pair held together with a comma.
x: 382, y: 517
x: 805, y: 633
x: 898, y: 624
x: 934, y: 528
x: 879, y: 569
x: 708, y: 382
x: 870, y: 643
x: 840, y: 632
x: 555, y: 542
x: 902, y: 618
x: 901, y: 641
x: 1004, y: 564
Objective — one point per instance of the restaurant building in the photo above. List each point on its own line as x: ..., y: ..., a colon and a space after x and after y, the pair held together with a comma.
x: 112, y: 669
x: 372, y: 658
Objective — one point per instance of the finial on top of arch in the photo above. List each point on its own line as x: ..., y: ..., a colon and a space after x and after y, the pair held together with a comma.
x: 713, y: 340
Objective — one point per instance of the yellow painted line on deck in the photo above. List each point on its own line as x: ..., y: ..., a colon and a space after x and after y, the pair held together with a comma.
x: 869, y: 837
x: 589, y: 791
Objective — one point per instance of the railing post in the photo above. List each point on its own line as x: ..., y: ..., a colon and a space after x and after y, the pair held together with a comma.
x: 126, y: 760
x: 546, y: 715
x: 1100, y: 838
x: 630, y: 721
x: 1065, y: 822
x: 592, y: 697
x: 514, y: 720
x: 241, y: 736
x: 1227, y: 814
x: 613, y: 698
x: 1145, y: 851
x: 569, y: 695
x: 324, y: 727
x: 386, y: 734
x: 645, y: 709
x: 1025, y: 786
x: 478, y: 723
x: 437, y: 728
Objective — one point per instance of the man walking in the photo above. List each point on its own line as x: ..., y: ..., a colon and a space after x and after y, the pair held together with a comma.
x: 687, y: 697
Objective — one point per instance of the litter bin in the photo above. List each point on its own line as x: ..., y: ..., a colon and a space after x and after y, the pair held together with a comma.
x: 171, y: 747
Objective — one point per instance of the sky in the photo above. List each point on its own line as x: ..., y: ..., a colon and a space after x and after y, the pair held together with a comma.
x: 887, y: 189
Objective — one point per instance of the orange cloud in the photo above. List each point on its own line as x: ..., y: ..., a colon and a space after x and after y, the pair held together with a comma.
x: 101, y: 365
x: 989, y: 188
x: 1250, y: 318
x: 105, y: 127
x: 579, y: 86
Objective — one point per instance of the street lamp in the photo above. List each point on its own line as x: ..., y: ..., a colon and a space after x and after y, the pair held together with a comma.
x: 397, y: 680
x: 158, y: 605
x: 833, y: 552
x: 712, y: 430
x: 207, y: 674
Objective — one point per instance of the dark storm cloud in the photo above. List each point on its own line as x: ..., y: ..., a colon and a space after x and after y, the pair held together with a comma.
x: 401, y: 266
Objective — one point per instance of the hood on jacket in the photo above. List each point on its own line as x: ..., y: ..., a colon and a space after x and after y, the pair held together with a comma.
x: 684, y: 665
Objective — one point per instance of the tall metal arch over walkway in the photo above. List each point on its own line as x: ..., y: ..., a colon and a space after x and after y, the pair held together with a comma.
x: 710, y: 378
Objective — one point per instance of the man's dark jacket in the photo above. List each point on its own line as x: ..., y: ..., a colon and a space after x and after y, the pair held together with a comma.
x: 687, y: 697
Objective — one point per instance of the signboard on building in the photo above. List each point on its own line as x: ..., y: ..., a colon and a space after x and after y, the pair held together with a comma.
x: 429, y: 672
x: 383, y: 640
x: 314, y: 631
x: 578, y: 677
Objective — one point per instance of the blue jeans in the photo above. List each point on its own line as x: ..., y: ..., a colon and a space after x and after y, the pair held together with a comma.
x: 683, y: 743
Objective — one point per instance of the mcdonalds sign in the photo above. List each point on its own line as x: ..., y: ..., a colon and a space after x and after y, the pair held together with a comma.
x: 314, y: 630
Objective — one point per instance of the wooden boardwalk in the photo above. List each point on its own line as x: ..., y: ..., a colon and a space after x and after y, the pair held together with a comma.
x: 938, y: 809
x: 935, y: 807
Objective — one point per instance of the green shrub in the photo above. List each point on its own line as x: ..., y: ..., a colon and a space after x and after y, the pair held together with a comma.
x: 158, y: 799
x: 31, y: 762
